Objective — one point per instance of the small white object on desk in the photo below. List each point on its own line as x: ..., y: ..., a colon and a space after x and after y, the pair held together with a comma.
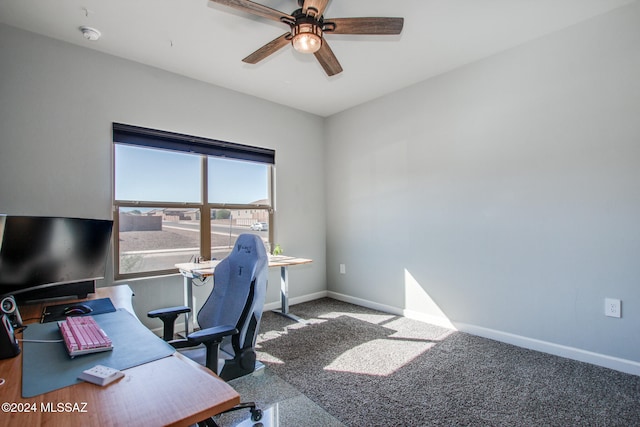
x: 101, y: 375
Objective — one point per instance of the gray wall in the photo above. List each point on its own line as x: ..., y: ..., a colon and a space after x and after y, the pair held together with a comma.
x: 502, y: 197
x: 58, y: 104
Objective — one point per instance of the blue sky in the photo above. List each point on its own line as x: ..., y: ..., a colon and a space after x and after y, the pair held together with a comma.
x: 168, y: 176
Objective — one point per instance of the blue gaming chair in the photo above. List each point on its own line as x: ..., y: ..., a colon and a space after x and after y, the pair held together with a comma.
x: 230, y: 317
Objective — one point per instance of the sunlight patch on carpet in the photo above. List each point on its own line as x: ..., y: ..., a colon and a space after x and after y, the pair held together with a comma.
x: 407, y: 329
x: 380, y: 357
x: 268, y: 358
x: 374, y: 319
x: 275, y: 334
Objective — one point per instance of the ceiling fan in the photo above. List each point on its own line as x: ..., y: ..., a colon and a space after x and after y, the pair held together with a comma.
x: 308, y: 27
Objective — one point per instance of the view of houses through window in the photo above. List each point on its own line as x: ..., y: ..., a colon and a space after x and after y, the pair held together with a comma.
x: 155, y: 239
x: 171, y: 207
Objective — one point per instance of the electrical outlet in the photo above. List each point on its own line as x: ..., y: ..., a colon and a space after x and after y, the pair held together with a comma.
x: 343, y: 269
x: 612, y: 307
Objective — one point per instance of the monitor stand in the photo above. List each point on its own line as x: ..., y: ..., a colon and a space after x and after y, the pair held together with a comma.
x: 78, y: 290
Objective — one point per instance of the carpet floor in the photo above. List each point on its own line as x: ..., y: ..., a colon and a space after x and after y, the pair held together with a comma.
x: 365, y: 367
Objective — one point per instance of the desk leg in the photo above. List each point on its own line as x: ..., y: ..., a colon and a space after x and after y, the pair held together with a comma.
x: 284, y: 289
x: 189, y: 318
x: 284, y: 296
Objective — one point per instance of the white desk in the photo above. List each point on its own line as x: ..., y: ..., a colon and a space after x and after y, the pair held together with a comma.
x: 206, y: 269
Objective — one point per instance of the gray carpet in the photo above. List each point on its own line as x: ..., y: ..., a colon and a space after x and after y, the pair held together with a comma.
x: 371, y: 368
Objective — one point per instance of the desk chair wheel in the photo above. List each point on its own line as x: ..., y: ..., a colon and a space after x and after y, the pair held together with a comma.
x: 256, y: 414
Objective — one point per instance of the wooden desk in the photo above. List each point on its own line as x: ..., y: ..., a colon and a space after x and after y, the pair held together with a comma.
x: 206, y: 269
x: 173, y: 391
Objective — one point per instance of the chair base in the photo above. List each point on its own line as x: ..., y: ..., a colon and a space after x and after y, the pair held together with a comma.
x: 242, y: 364
x: 230, y: 368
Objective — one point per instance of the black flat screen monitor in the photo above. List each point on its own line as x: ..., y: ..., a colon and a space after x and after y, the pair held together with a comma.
x: 43, y: 257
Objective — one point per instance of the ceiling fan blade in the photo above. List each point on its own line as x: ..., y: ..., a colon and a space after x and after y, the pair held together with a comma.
x: 269, y: 48
x: 369, y: 26
x: 255, y: 9
x: 328, y: 60
x: 318, y: 5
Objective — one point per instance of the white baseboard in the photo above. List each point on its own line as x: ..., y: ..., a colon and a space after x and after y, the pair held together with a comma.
x: 364, y: 303
x: 611, y: 362
x: 618, y: 364
x: 434, y: 320
x: 296, y: 300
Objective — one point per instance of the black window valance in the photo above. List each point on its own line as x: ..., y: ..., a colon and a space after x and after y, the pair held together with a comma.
x: 136, y: 135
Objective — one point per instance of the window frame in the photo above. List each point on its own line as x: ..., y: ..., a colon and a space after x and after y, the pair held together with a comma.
x: 205, y: 148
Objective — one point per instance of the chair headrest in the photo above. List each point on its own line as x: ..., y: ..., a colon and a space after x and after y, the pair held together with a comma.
x: 248, y: 251
x: 249, y: 244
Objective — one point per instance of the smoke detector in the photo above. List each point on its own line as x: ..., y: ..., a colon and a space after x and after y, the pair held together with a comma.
x: 90, y: 33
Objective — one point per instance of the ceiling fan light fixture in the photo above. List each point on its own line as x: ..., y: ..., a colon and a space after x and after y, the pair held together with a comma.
x: 307, y: 37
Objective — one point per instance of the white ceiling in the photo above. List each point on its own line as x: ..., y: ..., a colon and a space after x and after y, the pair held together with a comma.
x: 208, y: 41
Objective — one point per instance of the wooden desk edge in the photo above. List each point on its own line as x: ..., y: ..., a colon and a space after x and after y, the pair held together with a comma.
x: 289, y: 261
x: 203, y: 415
x: 208, y: 267
x: 11, y: 370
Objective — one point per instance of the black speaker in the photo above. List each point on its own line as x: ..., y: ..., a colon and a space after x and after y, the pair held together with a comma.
x: 9, y: 307
x: 8, y: 343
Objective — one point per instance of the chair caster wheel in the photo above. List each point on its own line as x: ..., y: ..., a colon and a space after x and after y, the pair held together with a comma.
x: 256, y: 414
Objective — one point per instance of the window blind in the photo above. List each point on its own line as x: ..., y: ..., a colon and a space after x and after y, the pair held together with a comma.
x: 140, y: 136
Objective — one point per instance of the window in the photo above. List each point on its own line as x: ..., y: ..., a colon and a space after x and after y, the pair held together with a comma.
x: 177, y: 197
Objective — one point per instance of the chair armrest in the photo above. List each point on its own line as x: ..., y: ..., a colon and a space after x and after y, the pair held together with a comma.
x: 169, y: 311
x: 168, y: 317
x: 215, y: 334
